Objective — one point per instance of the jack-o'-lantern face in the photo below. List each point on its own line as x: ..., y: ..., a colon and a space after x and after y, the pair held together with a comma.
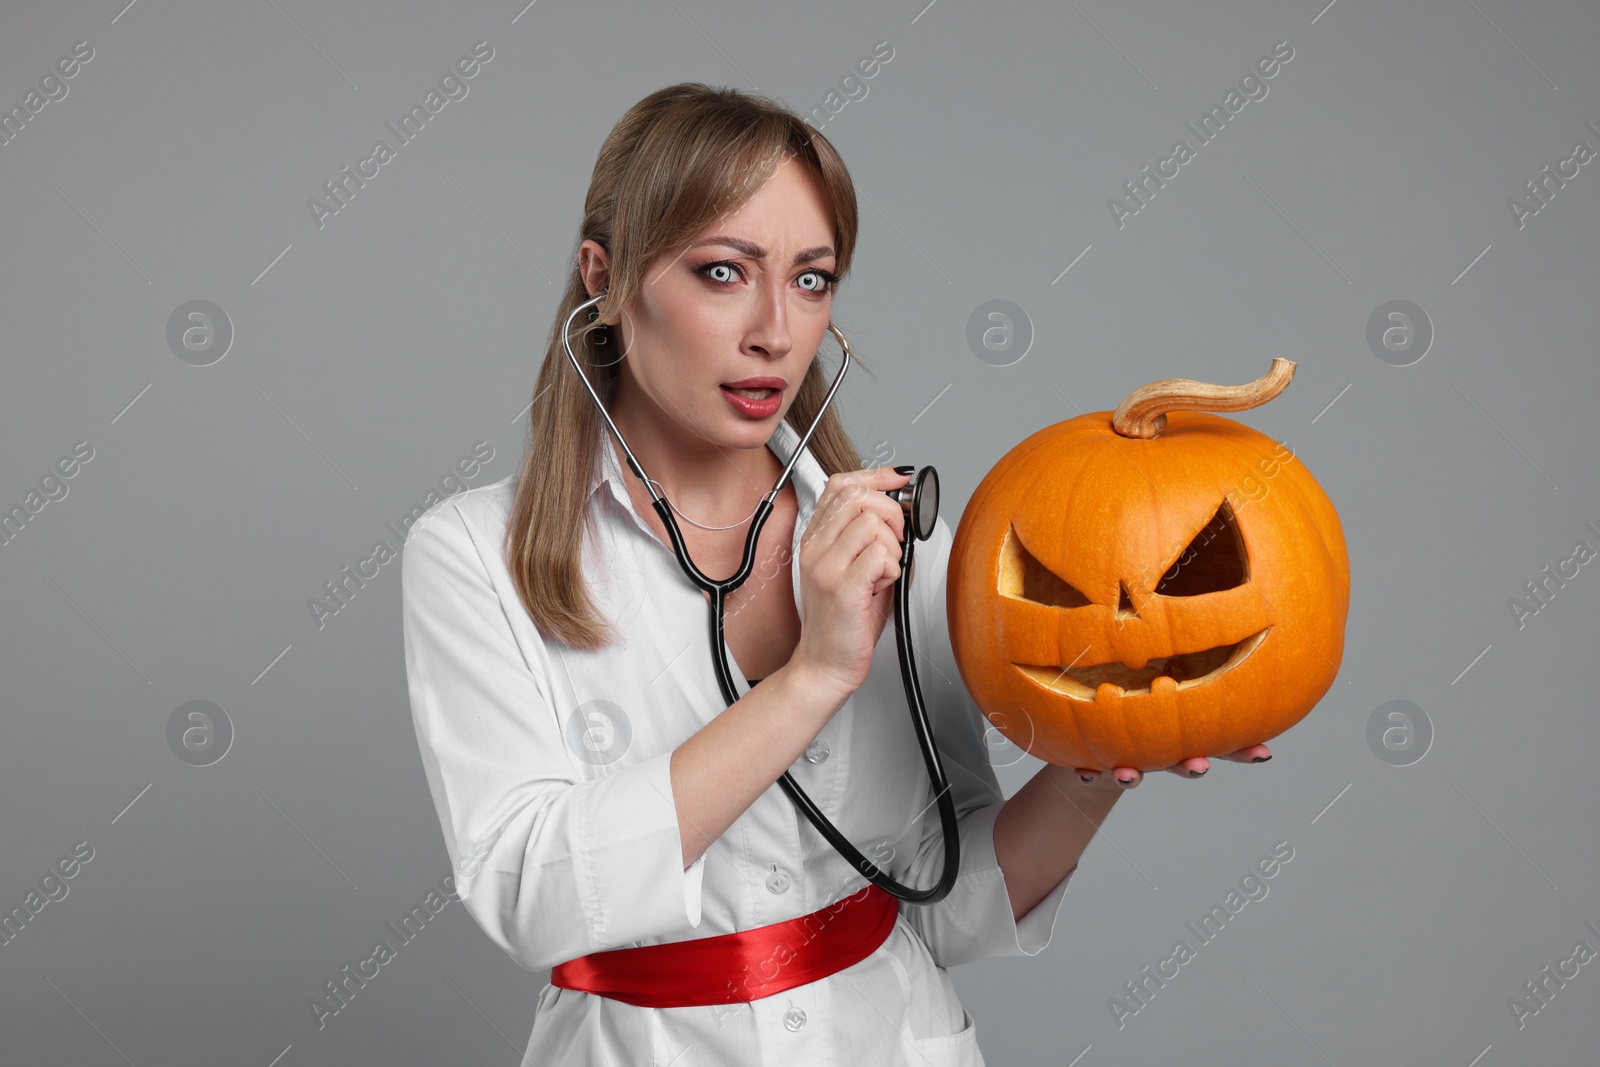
x: 1213, y: 562
x: 1119, y: 601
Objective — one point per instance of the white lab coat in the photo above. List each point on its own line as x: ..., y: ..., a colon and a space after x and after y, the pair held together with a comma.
x: 549, y: 770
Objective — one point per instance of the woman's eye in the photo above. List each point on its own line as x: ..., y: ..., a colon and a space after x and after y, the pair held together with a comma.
x: 821, y: 281
x: 721, y: 273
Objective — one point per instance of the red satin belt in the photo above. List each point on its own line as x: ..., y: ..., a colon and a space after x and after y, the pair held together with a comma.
x: 741, y: 966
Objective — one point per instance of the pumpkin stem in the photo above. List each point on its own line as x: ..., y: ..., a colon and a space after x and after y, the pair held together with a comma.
x: 1143, y: 413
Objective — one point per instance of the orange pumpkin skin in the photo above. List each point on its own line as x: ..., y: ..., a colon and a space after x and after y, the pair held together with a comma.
x: 1077, y: 505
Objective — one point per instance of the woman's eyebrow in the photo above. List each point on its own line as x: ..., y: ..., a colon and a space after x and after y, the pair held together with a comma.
x: 755, y: 251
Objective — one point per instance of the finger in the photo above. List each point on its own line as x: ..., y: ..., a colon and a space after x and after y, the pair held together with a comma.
x: 1127, y: 777
x: 887, y: 475
x: 872, y: 495
x: 878, y: 479
x: 876, y: 561
x: 852, y: 539
x: 850, y: 492
x: 837, y: 562
x: 863, y: 532
x: 1250, y: 754
x: 1193, y: 767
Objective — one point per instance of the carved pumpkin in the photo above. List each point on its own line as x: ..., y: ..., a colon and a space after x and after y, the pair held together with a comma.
x: 1134, y: 588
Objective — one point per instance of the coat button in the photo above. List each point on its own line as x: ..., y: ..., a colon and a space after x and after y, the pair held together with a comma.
x: 794, y: 1019
x: 778, y: 880
x: 817, y: 751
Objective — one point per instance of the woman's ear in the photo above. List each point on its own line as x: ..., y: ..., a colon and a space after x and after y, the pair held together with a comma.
x: 595, y: 267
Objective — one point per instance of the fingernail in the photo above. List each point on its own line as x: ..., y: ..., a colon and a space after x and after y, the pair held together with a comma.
x: 1197, y: 774
x: 1261, y: 759
x: 1124, y: 781
x: 1086, y: 777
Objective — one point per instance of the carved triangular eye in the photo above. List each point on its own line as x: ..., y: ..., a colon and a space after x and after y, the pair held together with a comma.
x: 1213, y: 561
x: 1024, y: 577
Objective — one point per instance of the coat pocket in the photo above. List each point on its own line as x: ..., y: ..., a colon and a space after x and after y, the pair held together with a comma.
x: 959, y: 1049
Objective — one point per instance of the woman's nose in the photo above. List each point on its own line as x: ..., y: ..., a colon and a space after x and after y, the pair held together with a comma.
x: 771, y: 328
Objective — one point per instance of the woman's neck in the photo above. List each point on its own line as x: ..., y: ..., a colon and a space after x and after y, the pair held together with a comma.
x: 715, y: 485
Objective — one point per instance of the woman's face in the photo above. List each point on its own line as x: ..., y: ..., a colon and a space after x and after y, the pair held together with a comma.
x: 749, y: 298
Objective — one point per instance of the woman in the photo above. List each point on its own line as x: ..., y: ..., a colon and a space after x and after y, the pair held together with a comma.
x: 604, y: 808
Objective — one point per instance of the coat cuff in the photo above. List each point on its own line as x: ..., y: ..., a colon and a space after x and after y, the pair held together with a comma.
x: 631, y: 837
x: 980, y: 906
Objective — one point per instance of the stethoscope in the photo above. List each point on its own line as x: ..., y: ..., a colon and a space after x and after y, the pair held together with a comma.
x: 919, y: 500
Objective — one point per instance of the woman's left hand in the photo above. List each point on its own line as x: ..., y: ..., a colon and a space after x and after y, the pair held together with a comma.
x: 1129, y: 777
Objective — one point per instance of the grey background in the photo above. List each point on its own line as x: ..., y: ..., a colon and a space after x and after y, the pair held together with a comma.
x: 376, y: 350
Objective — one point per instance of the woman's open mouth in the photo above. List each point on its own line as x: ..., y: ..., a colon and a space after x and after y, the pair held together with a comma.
x: 755, y: 403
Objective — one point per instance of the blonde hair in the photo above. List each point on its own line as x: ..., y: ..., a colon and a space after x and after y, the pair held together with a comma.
x: 680, y: 159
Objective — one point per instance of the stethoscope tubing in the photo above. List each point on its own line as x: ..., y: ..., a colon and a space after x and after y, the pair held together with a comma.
x: 719, y: 592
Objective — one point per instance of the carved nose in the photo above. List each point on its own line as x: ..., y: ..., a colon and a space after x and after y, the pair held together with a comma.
x: 1125, y: 609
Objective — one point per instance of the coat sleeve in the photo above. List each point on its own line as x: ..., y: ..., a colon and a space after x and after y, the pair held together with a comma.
x: 974, y: 922
x: 552, y: 861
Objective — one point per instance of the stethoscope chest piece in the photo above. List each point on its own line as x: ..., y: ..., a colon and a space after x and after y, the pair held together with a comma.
x: 919, y: 500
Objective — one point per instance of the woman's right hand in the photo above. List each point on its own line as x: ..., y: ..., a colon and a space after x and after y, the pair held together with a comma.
x: 849, y: 562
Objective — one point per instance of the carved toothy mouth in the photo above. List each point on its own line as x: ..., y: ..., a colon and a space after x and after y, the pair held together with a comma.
x: 1185, y: 669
